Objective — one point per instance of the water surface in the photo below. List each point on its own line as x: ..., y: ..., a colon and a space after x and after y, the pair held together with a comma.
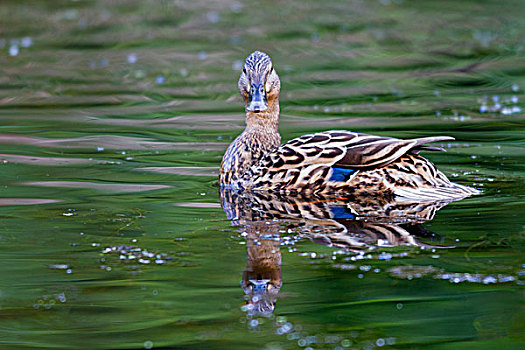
x: 114, y: 117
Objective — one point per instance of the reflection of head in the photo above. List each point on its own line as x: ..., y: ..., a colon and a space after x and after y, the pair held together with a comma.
x: 261, y: 281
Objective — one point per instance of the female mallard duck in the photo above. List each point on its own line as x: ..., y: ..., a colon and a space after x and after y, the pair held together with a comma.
x: 336, y: 162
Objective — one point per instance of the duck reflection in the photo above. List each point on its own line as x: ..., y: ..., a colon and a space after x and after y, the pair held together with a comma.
x: 353, y: 224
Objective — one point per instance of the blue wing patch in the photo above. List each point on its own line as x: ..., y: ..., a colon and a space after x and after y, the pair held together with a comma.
x: 340, y: 212
x: 341, y: 174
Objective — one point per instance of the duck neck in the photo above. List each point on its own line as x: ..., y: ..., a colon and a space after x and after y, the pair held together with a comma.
x: 266, y: 122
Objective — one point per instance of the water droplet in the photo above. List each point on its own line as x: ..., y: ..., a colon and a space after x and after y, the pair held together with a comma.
x: 237, y: 65
x: 132, y: 58
x: 13, y: 50
x: 236, y: 7
x: 213, y: 17
x: 380, y: 342
x: 26, y: 41
x: 489, y: 279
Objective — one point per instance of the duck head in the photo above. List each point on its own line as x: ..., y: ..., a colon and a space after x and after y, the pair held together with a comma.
x: 259, y: 85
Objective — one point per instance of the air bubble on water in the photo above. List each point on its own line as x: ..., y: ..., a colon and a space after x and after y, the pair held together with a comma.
x: 100, y: 149
x: 346, y: 343
x: 254, y: 323
x: 247, y: 308
x: 489, y: 279
x: 148, y: 344
x: 26, y: 41
x: 160, y: 79
x: 13, y: 50
x: 515, y: 87
x: 380, y: 342
x: 506, y: 111
x: 385, y: 256
x: 237, y: 65
x: 132, y: 58
x: 69, y: 271
x: 399, y: 306
x: 213, y: 17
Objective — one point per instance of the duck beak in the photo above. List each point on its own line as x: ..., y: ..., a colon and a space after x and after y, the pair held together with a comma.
x: 258, y: 102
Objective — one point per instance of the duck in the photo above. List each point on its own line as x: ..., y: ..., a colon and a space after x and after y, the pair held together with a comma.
x: 333, y: 162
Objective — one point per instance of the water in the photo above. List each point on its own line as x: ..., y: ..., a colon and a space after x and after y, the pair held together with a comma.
x: 114, y: 118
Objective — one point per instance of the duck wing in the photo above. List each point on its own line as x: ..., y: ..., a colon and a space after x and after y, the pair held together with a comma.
x: 346, y: 149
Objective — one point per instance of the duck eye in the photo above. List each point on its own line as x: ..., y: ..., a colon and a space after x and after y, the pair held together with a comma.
x: 244, y: 70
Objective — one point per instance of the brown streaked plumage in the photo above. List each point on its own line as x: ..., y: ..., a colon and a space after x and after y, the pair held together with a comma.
x: 329, y: 162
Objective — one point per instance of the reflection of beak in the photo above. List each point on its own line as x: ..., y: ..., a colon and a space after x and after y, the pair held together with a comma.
x: 259, y: 286
x: 258, y: 100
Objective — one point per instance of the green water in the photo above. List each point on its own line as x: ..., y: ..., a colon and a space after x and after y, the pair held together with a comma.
x: 114, y: 117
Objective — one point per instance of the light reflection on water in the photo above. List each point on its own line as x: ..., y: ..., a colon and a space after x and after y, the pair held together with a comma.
x: 113, y: 120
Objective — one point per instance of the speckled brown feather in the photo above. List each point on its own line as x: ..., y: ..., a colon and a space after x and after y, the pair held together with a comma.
x: 383, y: 166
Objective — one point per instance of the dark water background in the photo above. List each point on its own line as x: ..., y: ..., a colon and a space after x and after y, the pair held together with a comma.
x: 114, y: 116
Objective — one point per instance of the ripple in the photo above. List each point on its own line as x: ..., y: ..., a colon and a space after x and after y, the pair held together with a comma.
x: 198, y: 205
x: 110, y: 142
x: 184, y: 170
x: 32, y: 160
x: 109, y: 188
x: 26, y: 201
